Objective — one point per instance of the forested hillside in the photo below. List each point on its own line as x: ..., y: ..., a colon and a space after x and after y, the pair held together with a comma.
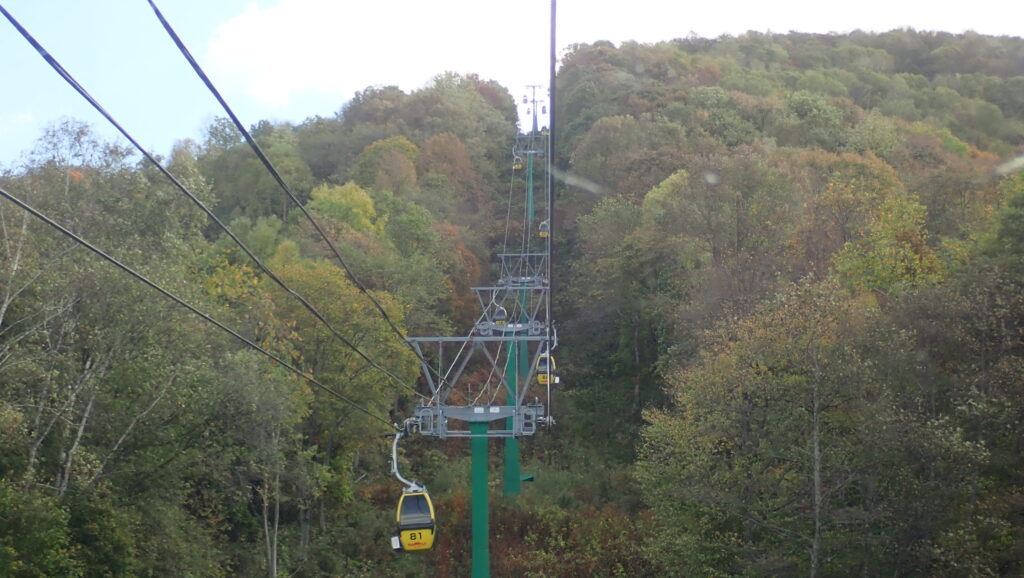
x: 789, y: 289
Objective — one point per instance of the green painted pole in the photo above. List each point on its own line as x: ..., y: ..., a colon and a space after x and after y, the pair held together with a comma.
x: 529, y: 194
x: 513, y: 480
x: 524, y: 346
x: 517, y: 361
x: 481, y: 532
x: 523, y: 360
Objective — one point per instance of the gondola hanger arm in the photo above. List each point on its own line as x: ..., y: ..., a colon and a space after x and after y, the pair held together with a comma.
x: 410, y: 486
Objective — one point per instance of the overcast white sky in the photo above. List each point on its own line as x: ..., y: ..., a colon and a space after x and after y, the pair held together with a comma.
x: 291, y: 59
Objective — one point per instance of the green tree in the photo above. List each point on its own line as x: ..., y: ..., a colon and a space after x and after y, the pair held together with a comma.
x: 387, y: 165
x: 445, y: 163
x: 624, y: 285
x: 348, y: 204
x: 243, y: 186
x: 843, y: 195
x: 782, y: 452
x: 811, y: 121
x: 34, y: 538
x: 627, y: 156
x: 894, y: 253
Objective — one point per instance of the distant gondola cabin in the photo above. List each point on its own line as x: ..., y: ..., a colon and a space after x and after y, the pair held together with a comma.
x: 544, y: 229
x: 500, y: 316
x: 415, y: 517
x: 545, y: 369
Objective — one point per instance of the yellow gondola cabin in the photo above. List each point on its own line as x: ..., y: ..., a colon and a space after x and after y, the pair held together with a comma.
x: 545, y: 369
x: 500, y: 316
x: 415, y: 518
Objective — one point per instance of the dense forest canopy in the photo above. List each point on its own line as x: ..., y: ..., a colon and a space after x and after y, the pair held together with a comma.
x: 790, y: 295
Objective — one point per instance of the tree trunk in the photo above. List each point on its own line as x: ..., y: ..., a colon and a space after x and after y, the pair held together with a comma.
x: 35, y: 436
x: 636, y: 362
x: 13, y: 258
x: 816, y: 465
x: 269, y: 533
x: 64, y: 475
x: 321, y: 503
x: 39, y: 432
x: 270, y: 491
x: 277, y: 516
x: 305, y: 516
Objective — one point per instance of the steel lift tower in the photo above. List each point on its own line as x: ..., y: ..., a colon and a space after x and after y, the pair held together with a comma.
x: 495, y: 381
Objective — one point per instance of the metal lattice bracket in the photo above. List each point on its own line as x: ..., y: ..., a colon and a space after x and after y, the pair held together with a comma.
x: 532, y: 144
x: 523, y: 270
x: 435, y: 420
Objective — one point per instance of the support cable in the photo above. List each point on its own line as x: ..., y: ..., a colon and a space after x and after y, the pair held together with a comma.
x: 487, y: 383
x: 443, y: 379
x: 99, y: 108
x: 490, y: 377
x: 498, y: 388
x: 277, y: 176
x: 138, y: 276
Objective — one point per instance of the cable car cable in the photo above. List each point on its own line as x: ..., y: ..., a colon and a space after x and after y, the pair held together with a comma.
x: 140, y: 277
x: 99, y: 108
x: 490, y: 376
x: 277, y: 176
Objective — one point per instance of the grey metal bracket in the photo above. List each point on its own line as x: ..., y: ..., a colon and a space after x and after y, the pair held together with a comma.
x: 531, y: 144
x: 435, y: 421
